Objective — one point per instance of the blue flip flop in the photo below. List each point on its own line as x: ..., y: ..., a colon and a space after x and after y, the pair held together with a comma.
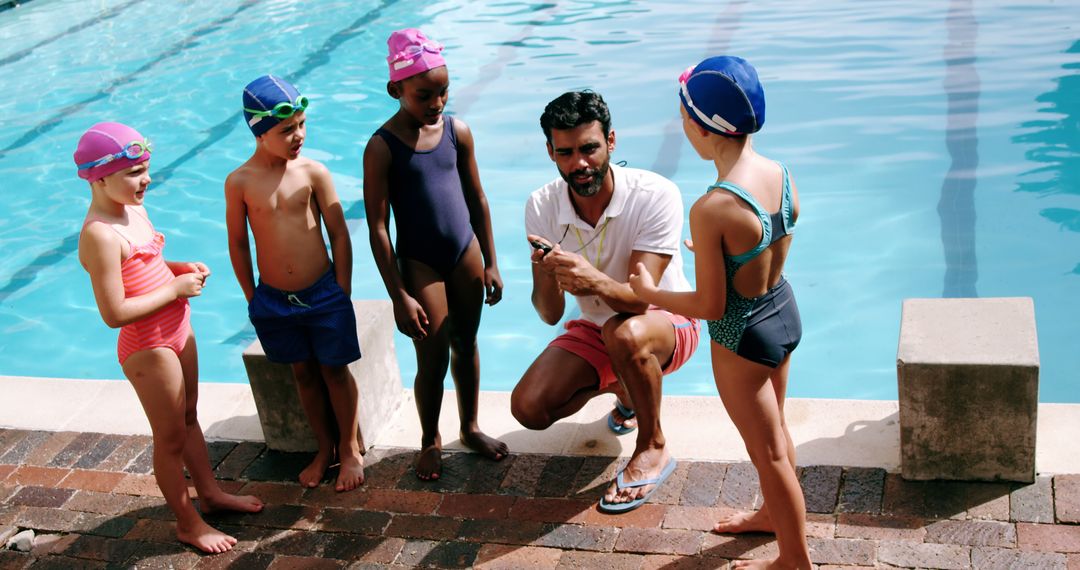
x: 629, y: 506
x: 617, y: 427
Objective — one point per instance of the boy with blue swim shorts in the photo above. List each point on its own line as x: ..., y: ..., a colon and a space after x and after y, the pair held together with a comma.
x: 300, y: 308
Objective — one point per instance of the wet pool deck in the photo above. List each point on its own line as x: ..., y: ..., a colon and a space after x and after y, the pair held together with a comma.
x: 91, y: 498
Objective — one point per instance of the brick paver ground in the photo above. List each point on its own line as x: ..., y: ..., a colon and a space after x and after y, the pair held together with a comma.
x: 92, y: 501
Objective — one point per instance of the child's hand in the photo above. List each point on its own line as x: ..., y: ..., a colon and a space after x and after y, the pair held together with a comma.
x: 689, y: 243
x: 411, y: 319
x: 200, y: 268
x: 493, y: 285
x: 642, y: 281
x: 187, y: 285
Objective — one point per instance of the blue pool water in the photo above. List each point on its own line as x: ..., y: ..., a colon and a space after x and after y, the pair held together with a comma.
x: 935, y: 146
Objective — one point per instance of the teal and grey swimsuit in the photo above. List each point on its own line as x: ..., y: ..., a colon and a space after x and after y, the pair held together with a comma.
x: 763, y: 329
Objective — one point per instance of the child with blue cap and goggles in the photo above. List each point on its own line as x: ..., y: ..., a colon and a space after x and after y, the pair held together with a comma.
x: 300, y: 307
x: 742, y: 229
x: 269, y: 100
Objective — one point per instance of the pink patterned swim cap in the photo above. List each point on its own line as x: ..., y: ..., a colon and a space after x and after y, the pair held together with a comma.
x: 106, y: 148
x: 412, y: 53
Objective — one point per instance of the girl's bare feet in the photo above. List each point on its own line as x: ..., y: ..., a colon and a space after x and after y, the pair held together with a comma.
x: 227, y: 502
x: 350, y: 472
x: 757, y: 521
x: 754, y: 564
x: 428, y: 465
x: 312, y: 475
x: 775, y: 563
x: 481, y: 443
x: 205, y: 537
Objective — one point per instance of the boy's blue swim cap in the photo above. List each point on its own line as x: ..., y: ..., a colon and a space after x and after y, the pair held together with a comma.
x: 723, y: 95
x: 262, y: 95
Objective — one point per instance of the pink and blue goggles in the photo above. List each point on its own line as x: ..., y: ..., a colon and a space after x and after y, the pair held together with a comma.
x: 131, y: 151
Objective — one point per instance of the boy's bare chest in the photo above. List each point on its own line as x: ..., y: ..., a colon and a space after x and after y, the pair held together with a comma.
x: 284, y: 200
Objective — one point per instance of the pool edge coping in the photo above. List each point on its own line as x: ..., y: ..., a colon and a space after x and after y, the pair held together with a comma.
x: 851, y: 433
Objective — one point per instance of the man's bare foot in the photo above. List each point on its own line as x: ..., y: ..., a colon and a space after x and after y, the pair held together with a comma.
x: 350, y: 472
x: 756, y: 521
x: 645, y: 465
x: 227, y: 502
x: 481, y: 443
x: 628, y: 424
x: 312, y: 475
x: 205, y: 537
x: 428, y: 465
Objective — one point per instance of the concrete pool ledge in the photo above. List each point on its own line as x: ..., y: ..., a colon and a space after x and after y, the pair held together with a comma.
x: 851, y: 433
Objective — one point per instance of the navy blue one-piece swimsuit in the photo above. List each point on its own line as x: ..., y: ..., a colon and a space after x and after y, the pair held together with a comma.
x: 430, y: 212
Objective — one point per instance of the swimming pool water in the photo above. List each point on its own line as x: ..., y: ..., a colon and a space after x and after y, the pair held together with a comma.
x: 935, y: 147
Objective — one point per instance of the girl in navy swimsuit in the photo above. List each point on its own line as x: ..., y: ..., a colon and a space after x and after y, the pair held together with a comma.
x: 742, y: 227
x: 442, y: 269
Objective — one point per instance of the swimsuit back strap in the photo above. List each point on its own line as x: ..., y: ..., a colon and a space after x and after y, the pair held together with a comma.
x: 787, y: 207
x: 763, y: 217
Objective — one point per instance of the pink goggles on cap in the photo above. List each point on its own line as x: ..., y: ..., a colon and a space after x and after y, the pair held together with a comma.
x: 131, y: 151
x: 412, y: 53
x: 109, y: 147
x: 406, y: 57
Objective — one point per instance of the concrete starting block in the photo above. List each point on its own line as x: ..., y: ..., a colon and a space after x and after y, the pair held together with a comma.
x: 378, y: 382
x: 968, y: 374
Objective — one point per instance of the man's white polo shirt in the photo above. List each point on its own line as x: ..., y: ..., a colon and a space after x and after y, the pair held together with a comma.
x: 645, y: 214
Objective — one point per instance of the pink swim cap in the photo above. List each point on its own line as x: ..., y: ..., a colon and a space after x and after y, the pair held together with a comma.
x: 411, y: 53
x: 106, y: 148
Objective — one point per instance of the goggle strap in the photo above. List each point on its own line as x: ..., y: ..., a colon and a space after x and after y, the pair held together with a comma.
x: 716, y: 121
x: 410, y: 52
x: 98, y: 162
x: 257, y: 115
x: 143, y: 144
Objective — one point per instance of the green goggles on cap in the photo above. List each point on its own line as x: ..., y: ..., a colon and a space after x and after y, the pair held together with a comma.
x: 282, y: 110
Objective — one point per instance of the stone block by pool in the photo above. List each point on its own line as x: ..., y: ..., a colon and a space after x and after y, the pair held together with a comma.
x: 378, y: 381
x: 968, y: 374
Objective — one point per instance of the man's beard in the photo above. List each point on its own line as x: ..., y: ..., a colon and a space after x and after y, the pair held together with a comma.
x: 590, y: 189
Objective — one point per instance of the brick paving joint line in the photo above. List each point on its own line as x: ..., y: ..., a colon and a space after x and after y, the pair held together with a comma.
x: 529, y: 511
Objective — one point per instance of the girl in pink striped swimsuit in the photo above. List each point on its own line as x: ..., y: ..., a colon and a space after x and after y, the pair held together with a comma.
x: 137, y: 290
x: 144, y: 271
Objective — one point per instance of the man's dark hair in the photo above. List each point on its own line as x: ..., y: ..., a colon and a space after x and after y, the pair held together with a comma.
x: 575, y: 108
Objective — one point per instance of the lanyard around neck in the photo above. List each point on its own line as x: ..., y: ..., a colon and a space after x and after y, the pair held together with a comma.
x: 599, y: 248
